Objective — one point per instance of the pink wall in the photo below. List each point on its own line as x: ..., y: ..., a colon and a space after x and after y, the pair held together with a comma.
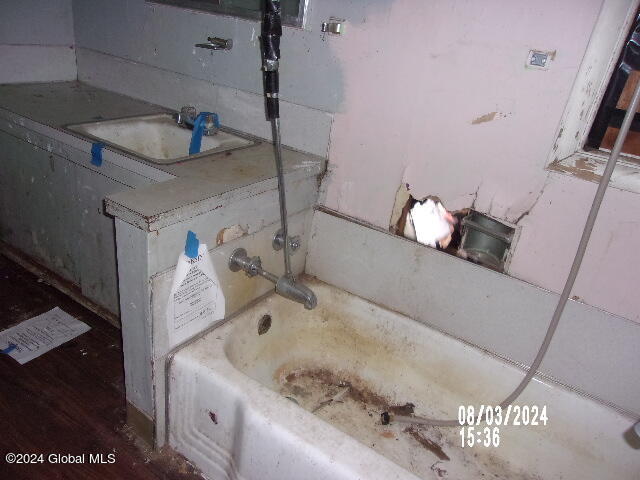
x: 610, y: 273
x: 417, y: 74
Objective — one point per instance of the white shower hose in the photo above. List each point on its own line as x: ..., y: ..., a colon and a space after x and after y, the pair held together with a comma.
x: 577, y: 261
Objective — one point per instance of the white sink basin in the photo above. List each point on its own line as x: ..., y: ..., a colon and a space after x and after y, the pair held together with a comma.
x: 157, y: 138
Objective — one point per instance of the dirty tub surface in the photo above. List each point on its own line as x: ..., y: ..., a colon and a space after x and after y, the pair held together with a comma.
x: 283, y: 393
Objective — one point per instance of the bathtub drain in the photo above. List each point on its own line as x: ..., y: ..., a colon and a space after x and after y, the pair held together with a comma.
x: 264, y: 324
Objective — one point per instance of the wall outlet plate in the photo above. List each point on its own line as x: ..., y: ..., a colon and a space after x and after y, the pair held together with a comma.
x: 539, y: 59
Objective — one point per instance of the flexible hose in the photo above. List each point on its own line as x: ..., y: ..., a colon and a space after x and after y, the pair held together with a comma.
x: 575, y: 267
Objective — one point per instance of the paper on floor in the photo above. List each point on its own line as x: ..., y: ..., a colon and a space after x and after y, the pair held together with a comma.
x: 40, y: 334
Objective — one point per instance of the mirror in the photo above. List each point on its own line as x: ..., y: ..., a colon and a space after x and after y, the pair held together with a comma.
x: 292, y: 10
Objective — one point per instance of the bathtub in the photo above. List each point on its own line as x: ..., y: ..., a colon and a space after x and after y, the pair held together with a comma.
x: 282, y: 393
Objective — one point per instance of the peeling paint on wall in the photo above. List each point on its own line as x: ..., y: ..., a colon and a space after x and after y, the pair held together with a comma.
x: 230, y: 233
x: 582, y: 167
x: 427, y: 130
x: 487, y: 117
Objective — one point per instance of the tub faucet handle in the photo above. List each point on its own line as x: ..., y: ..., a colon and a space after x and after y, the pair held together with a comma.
x: 286, y: 285
x: 278, y: 242
x: 239, y: 260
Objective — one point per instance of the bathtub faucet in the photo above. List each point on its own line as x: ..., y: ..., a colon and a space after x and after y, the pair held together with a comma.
x: 286, y: 285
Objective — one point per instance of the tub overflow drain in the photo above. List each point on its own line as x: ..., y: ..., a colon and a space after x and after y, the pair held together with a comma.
x: 264, y: 324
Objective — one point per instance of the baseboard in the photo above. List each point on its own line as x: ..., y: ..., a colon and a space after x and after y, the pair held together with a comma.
x: 59, y: 283
x: 141, y: 425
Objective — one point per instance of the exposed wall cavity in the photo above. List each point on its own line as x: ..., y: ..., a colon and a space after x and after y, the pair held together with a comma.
x: 465, y: 233
x: 422, y: 131
x: 423, y: 220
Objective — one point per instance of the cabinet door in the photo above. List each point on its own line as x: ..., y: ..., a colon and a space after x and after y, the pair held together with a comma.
x: 53, y: 210
x: 96, y: 240
x: 38, y: 205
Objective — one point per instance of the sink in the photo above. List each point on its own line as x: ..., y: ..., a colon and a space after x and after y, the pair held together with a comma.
x: 157, y: 138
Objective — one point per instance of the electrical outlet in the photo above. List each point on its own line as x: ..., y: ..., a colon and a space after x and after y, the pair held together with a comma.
x: 539, y: 60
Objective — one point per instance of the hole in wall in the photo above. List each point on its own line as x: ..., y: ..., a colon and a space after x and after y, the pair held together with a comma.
x: 424, y: 220
x: 465, y: 233
x: 485, y: 240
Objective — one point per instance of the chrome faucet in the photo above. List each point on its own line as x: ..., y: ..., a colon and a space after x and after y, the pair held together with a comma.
x: 187, y: 118
x: 216, y: 43
x: 286, y: 285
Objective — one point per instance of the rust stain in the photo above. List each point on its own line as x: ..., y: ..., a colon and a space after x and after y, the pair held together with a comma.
x: 358, y: 391
x: 406, y: 409
x: 427, y: 443
x: 487, y: 117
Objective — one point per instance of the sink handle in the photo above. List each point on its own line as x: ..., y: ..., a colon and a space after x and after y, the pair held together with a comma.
x: 216, y: 43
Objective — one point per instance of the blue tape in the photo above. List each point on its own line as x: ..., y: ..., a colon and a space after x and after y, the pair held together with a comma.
x: 191, y: 245
x: 96, y: 154
x: 198, y: 130
x: 9, y: 349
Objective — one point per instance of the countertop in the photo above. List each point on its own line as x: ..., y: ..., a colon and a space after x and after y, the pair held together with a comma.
x: 57, y: 104
x: 191, y: 187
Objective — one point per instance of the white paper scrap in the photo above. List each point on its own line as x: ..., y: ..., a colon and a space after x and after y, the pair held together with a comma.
x: 40, y: 334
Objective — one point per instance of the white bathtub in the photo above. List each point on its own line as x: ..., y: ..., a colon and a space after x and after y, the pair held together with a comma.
x: 241, y: 402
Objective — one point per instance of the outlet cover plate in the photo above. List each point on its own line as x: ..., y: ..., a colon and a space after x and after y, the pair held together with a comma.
x: 539, y: 60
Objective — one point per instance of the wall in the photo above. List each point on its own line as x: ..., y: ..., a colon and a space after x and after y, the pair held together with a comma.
x: 36, y: 41
x: 452, y: 110
x: 592, y: 351
x: 450, y: 106
x: 435, y: 94
x: 147, y: 50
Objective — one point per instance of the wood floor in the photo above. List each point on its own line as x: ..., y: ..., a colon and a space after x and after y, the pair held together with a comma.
x: 69, y: 401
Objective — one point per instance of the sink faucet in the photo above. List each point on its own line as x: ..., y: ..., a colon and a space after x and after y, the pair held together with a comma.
x: 188, y: 116
x: 286, y: 285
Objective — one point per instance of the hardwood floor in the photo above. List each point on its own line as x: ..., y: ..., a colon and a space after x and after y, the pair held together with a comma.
x: 69, y: 401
